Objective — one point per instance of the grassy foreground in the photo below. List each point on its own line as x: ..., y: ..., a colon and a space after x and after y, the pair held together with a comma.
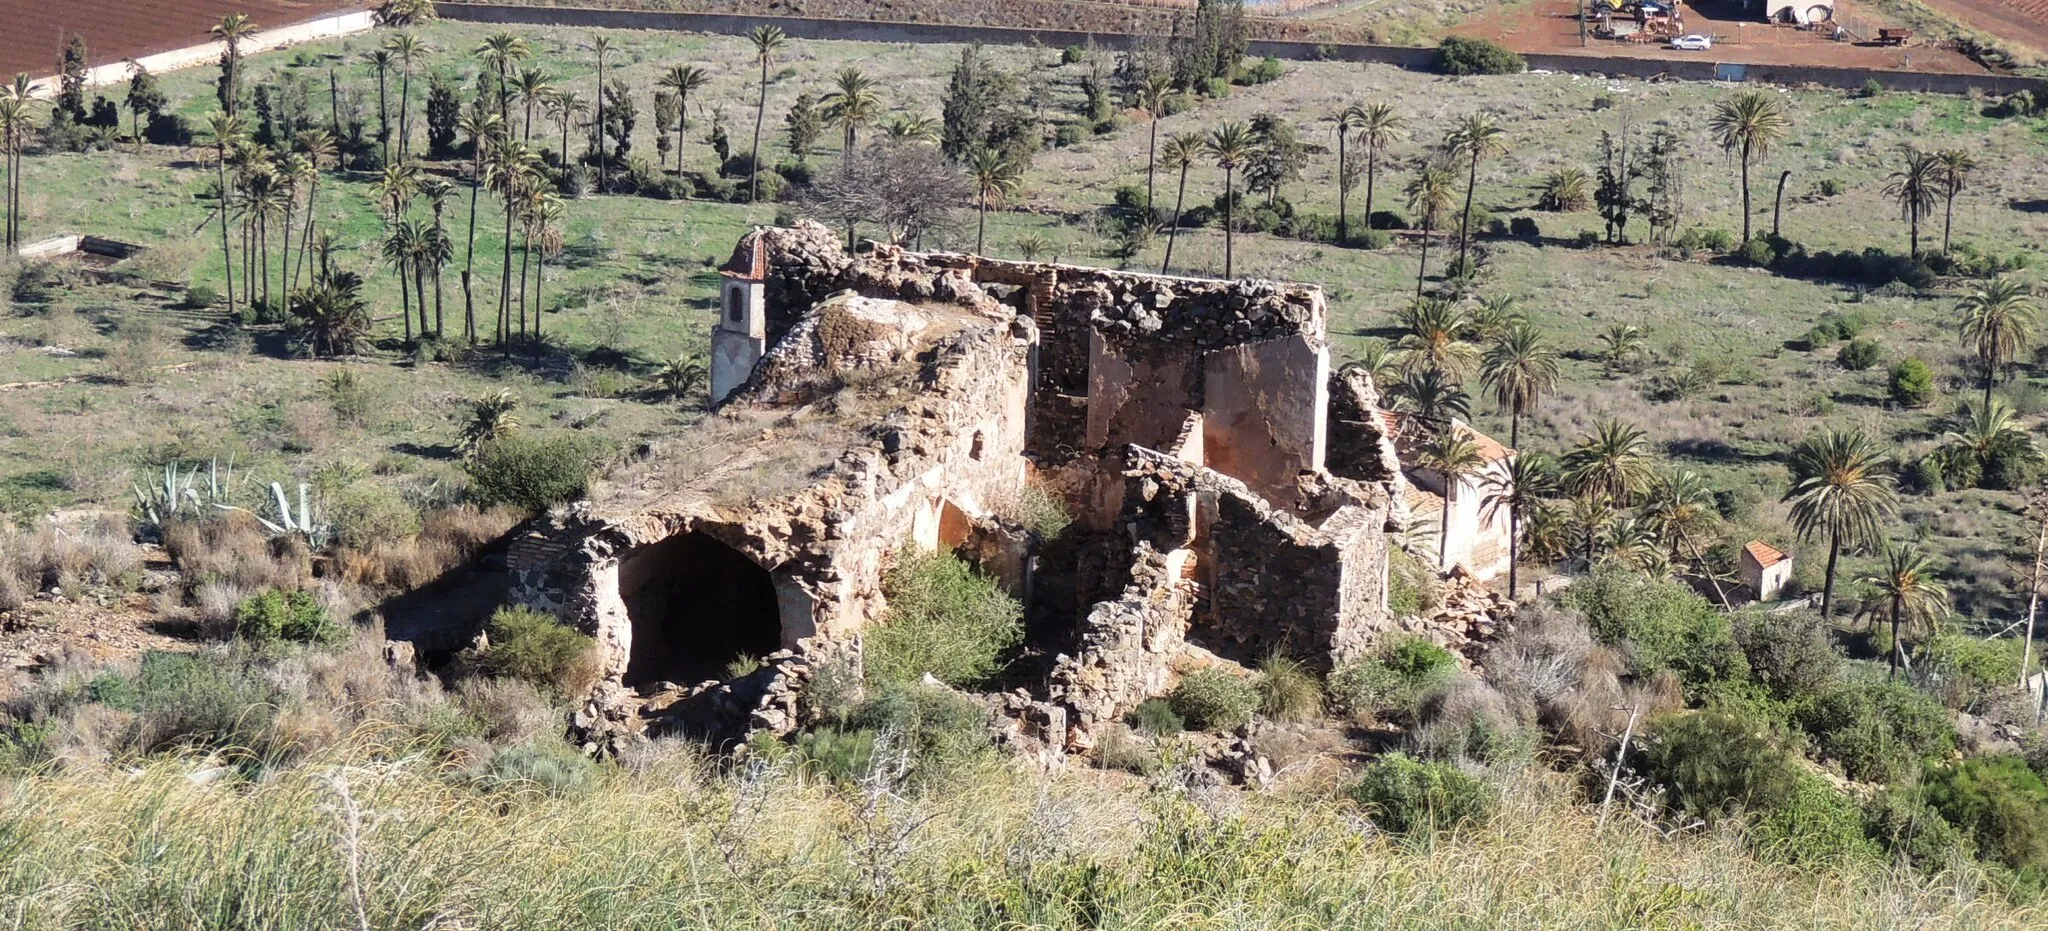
x: 371, y: 836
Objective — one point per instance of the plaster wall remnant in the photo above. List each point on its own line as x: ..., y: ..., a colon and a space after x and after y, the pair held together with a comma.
x: 1229, y: 503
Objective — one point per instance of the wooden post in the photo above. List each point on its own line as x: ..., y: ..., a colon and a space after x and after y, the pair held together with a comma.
x: 1614, y: 776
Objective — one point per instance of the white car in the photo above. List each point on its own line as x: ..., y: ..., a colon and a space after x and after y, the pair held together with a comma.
x: 1693, y: 43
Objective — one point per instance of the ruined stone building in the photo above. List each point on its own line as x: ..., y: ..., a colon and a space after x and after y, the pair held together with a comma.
x: 1455, y: 518
x: 1231, y: 495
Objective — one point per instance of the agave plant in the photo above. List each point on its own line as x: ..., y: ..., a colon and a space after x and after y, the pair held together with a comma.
x: 680, y: 377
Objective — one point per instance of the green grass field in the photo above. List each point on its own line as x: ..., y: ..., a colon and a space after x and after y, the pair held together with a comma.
x: 633, y: 280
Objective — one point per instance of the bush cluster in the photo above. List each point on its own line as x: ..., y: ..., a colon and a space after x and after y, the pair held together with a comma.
x: 945, y: 619
x: 1460, y: 56
x: 531, y: 471
x: 1660, y: 625
x: 1212, y: 699
x: 288, y: 617
x: 1404, y: 795
x: 1392, y: 682
x: 534, y: 647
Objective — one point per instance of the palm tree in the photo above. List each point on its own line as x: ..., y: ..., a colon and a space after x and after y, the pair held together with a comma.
x: 1681, y: 508
x: 296, y: 171
x: 438, y: 248
x: 1996, y: 320
x: 913, y: 128
x: 511, y: 173
x: 1519, y: 370
x: 405, y: 12
x: 1429, y: 195
x: 1956, y: 168
x: 382, y: 59
x: 1432, y: 398
x: 331, y: 315
x: 681, y: 80
x: 533, y: 86
x: 1152, y: 96
x: 1436, y: 336
x: 1477, y: 136
x: 767, y: 40
x: 226, y: 130
x: 263, y: 197
x: 318, y: 145
x: 1915, y: 187
x: 1631, y: 542
x: 400, y: 246
x: 1748, y: 124
x: 603, y: 47
x: 13, y: 116
x: 565, y: 106
x: 482, y: 127
x: 231, y: 31
x: 1978, y: 438
x: 995, y: 178
x: 1454, y: 457
x: 547, y: 215
x: 1182, y: 151
x: 499, y: 52
x: 1513, y: 486
x: 1589, y: 517
x: 490, y: 418
x: 409, y: 51
x: 1378, y: 361
x: 1230, y: 145
x: 1378, y: 127
x: 1613, y: 460
x: 1348, y: 119
x: 1839, y: 490
x: 1618, y: 343
x: 851, y: 105
x: 679, y: 377
x: 1909, y: 589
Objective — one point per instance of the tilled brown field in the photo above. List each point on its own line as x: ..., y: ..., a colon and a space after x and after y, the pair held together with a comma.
x: 33, y: 32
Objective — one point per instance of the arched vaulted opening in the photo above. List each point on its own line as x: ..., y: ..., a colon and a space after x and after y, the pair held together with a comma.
x: 695, y: 605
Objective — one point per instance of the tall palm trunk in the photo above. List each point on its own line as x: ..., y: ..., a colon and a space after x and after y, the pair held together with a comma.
x: 981, y: 223
x: 1465, y: 219
x: 439, y: 333
x: 1827, y: 585
x: 682, y: 127
x: 760, y: 113
x: 383, y: 118
x: 1913, y: 228
x: 1372, y: 166
x: 1173, y: 232
x: 1422, y: 270
x: 525, y: 258
x: 1745, y: 190
x: 1343, y: 191
x: 405, y: 115
x: 1229, y: 222
x: 1991, y: 368
x: 306, y: 242
x: 1948, y: 218
x: 1151, y: 169
x: 604, y: 172
x: 505, y: 281
x: 405, y: 298
x: 1898, y: 650
x: 1514, y: 551
x: 476, y: 181
x: 1443, y: 532
x: 540, y: 273
x: 284, y: 259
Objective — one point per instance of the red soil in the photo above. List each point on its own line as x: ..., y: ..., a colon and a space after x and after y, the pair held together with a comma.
x: 1552, y: 26
x: 33, y: 32
x: 2021, y: 22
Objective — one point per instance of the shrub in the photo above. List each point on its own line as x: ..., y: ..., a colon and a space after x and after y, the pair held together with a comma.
x: 1213, y: 699
x: 546, y: 765
x: 210, y: 700
x: 1877, y: 730
x: 835, y: 753
x: 1663, y: 624
x: 200, y: 297
x: 1155, y: 716
x: 1828, y: 187
x: 1072, y: 55
x: 1911, y: 383
x: 1818, y: 825
x: 944, y: 618
x: 1068, y: 135
x: 294, y: 617
x: 530, y: 471
x: 1858, y: 355
x: 940, y: 728
x: 1788, y: 653
x: 1525, y: 228
x: 1460, y: 56
x: 1870, y: 88
x: 1266, y: 71
x: 1972, y: 670
x: 1706, y: 239
x: 1715, y: 764
x: 365, y: 514
x: 1393, y: 681
x: 1759, y: 252
x: 1586, y: 239
x: 2001, y: 804
x: 1404, y: 795
x: 1386, y: 220
x: 1288, y: 691
x: 1902, y: 823
x: 1374, y: 240
x: 534, y: 647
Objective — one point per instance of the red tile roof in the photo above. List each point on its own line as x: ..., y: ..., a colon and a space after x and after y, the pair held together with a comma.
x: 1765, y: 554
x: 749, y: 259
x: 1490, y: 449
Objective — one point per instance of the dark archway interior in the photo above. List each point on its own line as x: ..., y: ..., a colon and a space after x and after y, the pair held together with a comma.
x: 696, y: 605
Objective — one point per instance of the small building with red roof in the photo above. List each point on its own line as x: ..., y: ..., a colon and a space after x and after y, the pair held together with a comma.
x: 1765, y: 569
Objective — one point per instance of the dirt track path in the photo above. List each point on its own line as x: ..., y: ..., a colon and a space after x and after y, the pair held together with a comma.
x: 2021, y: 22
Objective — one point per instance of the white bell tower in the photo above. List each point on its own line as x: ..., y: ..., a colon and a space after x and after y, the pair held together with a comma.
x: 740, y: 336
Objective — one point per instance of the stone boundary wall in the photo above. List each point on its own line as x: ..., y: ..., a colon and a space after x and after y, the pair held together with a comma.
x: 1414, y: 59
x: 333, y: 26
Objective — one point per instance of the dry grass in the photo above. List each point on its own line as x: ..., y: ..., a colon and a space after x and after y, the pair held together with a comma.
x: 376, y: 822
x: 66, y: 559
x: 232, y: 548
